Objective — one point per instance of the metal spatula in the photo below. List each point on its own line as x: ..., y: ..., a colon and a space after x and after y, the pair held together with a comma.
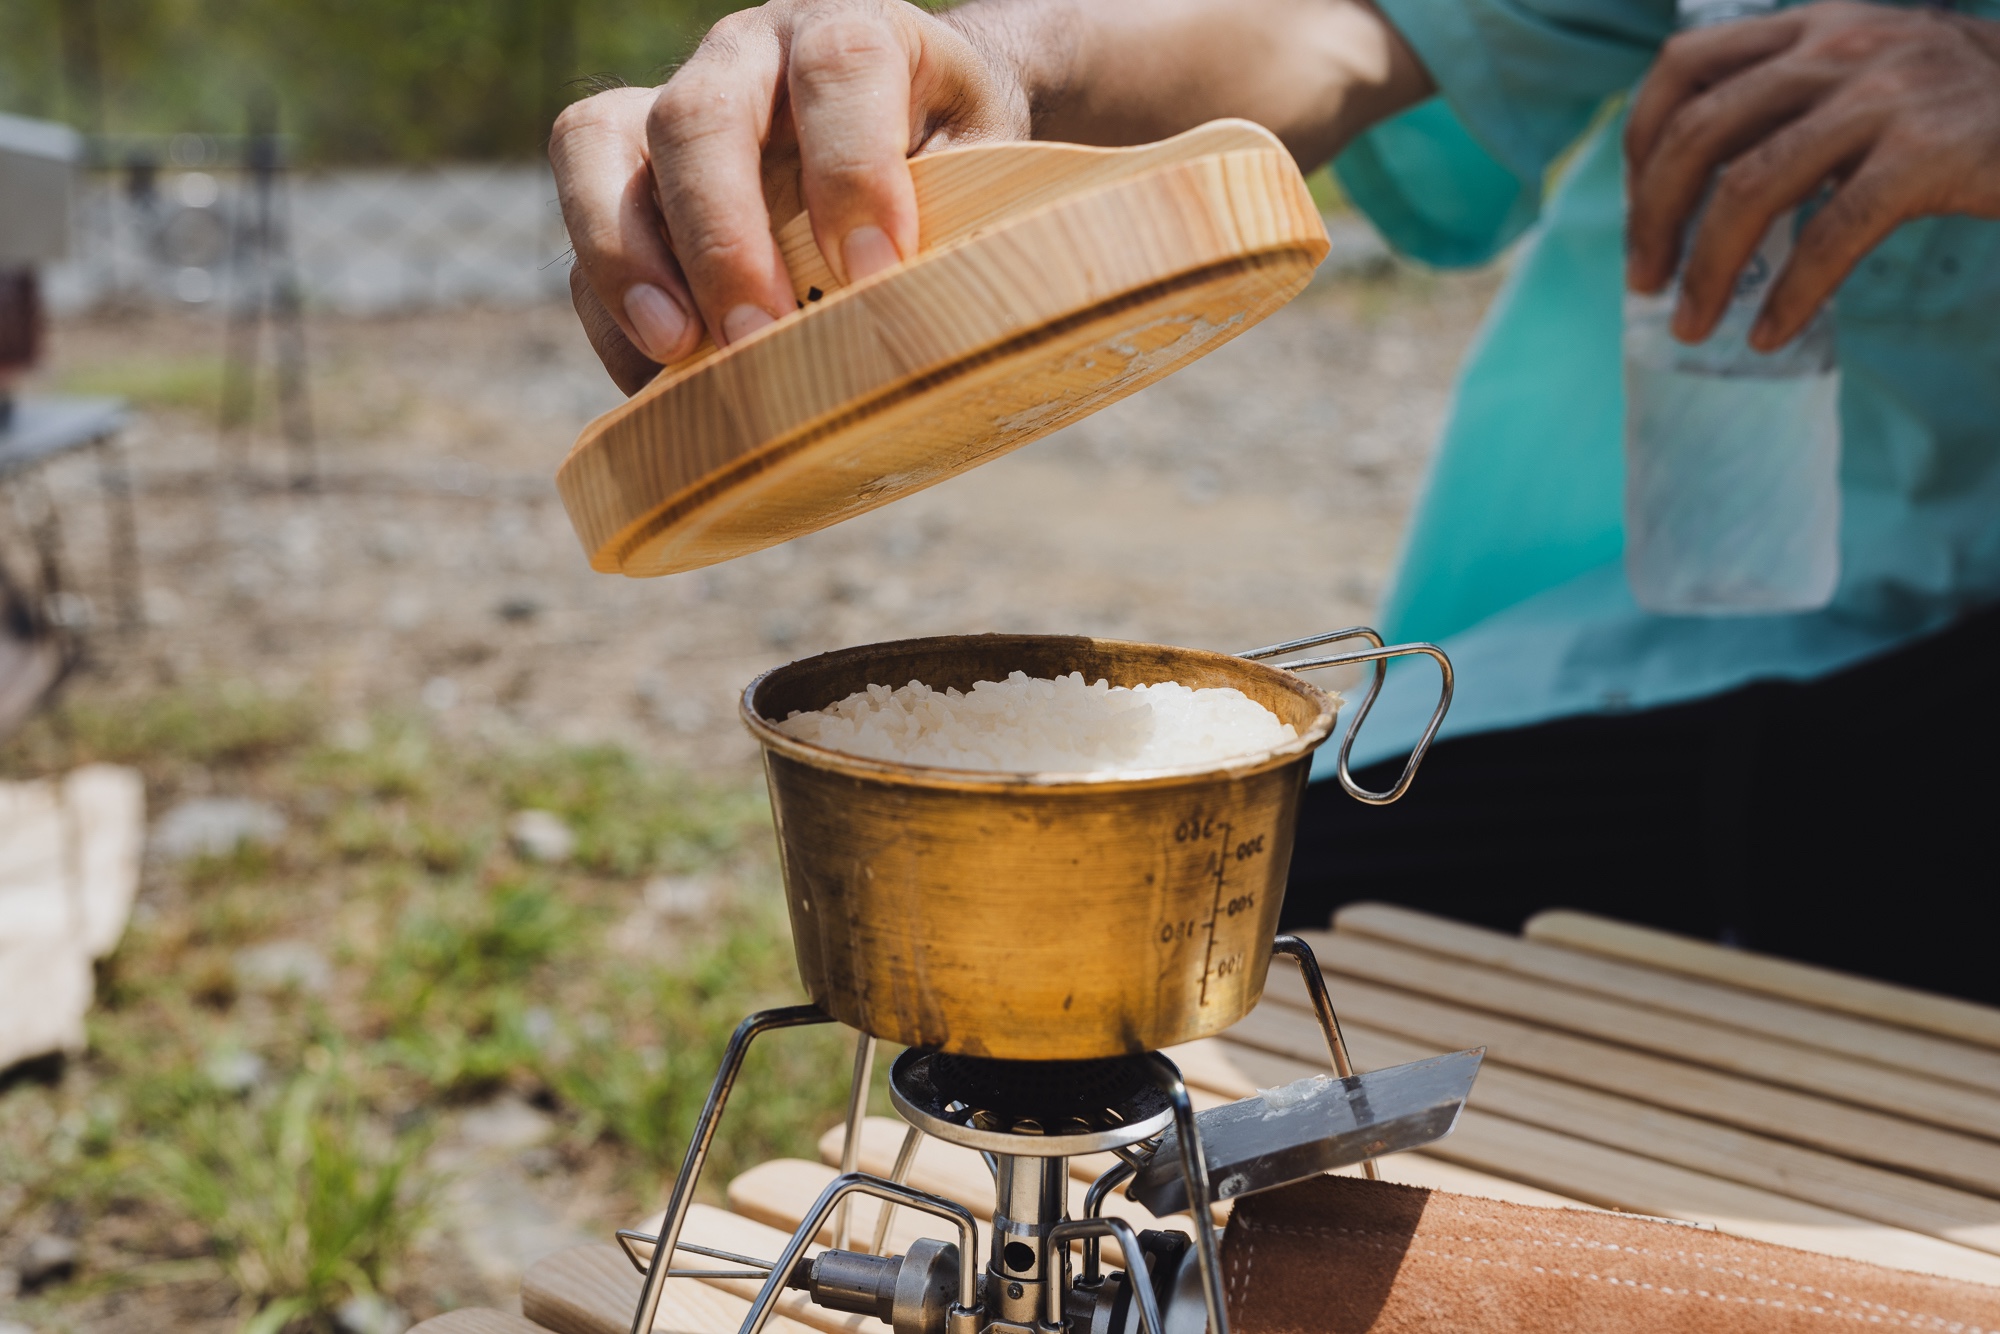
x: 1312, y: 1126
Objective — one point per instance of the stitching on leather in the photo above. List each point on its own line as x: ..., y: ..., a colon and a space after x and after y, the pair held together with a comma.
x: 1239, y: 1269
x: 1700, y: 1259
x: 1869, y: 1312
x: 1565, y: 1236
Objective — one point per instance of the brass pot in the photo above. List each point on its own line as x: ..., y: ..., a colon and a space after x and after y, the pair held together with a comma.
x: 1036, y: 916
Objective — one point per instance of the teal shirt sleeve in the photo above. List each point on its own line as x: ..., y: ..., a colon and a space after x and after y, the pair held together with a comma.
x: 1454, y: 179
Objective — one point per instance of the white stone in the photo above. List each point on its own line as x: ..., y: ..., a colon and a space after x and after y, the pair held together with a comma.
x: 215, y: 827
x: 69, y: 868
x: 45, y: 991
x: 503, y: 1223
x: 35, y: 900
x: 234, y: 1070
x: 107, y: 805
x: 370, y: 1313
x: 507, y: 1123
x: 541, y: 836
x: 440, y: 694
x: 279, y: 965
x: 682, y: 897
x: 48, y: 1258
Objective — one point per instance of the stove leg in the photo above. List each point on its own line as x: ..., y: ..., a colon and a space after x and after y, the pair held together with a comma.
x: 857, y: 1112
x: 899, y: 1174
x: 1329, y: 1023
x: 790, y: 1016
x: 1194, y: 1172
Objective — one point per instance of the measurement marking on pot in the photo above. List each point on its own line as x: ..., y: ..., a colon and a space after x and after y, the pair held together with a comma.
x: 1205, y: 829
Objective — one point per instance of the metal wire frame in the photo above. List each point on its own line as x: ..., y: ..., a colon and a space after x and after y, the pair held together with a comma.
x: 1301, y: 953
x: 964, y: 1315
x: 1194, y: 1171
x: 764, y: 1021
x: 1137, y: 1273
x: 630, y: 1239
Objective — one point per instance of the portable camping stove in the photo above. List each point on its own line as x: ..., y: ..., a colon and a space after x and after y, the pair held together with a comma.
x: 1027, y: 1119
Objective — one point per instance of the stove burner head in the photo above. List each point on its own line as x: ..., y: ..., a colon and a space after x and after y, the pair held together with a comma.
x: 1034, y: 1108
x: 1049, y: 1092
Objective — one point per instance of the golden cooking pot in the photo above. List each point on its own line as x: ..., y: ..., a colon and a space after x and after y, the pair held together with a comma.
x: 1045, y: 916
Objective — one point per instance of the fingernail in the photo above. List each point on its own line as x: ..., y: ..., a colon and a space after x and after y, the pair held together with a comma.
x: 867, y: 250
x: 743, y: 321
x: 1683, y: 325
x: 658, y: 320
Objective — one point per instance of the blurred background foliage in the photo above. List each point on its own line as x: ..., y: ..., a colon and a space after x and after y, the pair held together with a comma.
x: 353, y: 80
x: 287, y: 1120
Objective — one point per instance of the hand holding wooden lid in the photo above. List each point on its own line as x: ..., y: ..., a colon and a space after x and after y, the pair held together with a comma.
x: 1051, y: 280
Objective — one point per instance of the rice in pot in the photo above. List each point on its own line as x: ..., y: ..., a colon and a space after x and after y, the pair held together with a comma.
x: 1035, y: 725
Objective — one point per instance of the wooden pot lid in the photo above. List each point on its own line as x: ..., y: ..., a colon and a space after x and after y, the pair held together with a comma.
x: 1052, y: 280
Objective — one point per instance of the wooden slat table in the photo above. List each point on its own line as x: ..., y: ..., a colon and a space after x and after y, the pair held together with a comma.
x: 1626, y: 1069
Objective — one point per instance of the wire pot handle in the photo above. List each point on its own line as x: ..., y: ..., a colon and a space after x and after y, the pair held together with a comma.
x: 1380, y: 656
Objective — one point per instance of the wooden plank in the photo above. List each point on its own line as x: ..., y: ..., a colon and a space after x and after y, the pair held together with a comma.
x: 1207, y: 1065
x: 955, y: 1168
x: 1617, y: 1178
x: 709, y: 1226
x: 961, y: 1174
x: 1730, y: 1006
x: 779, y: 1192
x: 943, y: 1169
x: 1907, y: 1096
x: 595, y: 1290
x: 1754, y: 1160
x: 478, y: 1320
x: 1868, y: 1136
x: 1844, y: 992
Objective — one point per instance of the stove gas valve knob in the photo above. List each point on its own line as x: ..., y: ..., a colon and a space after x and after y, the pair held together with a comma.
x: 912, y: 1292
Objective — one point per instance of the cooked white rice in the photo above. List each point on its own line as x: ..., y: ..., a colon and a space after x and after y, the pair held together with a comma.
x: 1034, y: 725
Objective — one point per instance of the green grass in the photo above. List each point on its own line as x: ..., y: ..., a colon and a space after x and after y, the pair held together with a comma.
x: 230, y: 724
x: 458, y: 971
x: 182, y: 382
x: 628, y: 818
x: 307, y: 1199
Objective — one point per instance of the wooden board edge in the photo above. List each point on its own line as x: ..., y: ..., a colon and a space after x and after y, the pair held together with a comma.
x: 1765, y: 1016
x: 1948, y: 1016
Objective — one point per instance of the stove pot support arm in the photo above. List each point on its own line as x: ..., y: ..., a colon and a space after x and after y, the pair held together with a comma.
x: 790, y: 1016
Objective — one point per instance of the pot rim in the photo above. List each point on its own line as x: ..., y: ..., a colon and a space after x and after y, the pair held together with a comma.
x: 1054, y: 781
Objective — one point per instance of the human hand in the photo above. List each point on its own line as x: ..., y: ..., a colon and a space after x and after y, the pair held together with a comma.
x: 668, y: 193
x: 1898, y: 108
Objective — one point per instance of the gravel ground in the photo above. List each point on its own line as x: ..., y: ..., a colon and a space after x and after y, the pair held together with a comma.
x: 1257, y: 495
